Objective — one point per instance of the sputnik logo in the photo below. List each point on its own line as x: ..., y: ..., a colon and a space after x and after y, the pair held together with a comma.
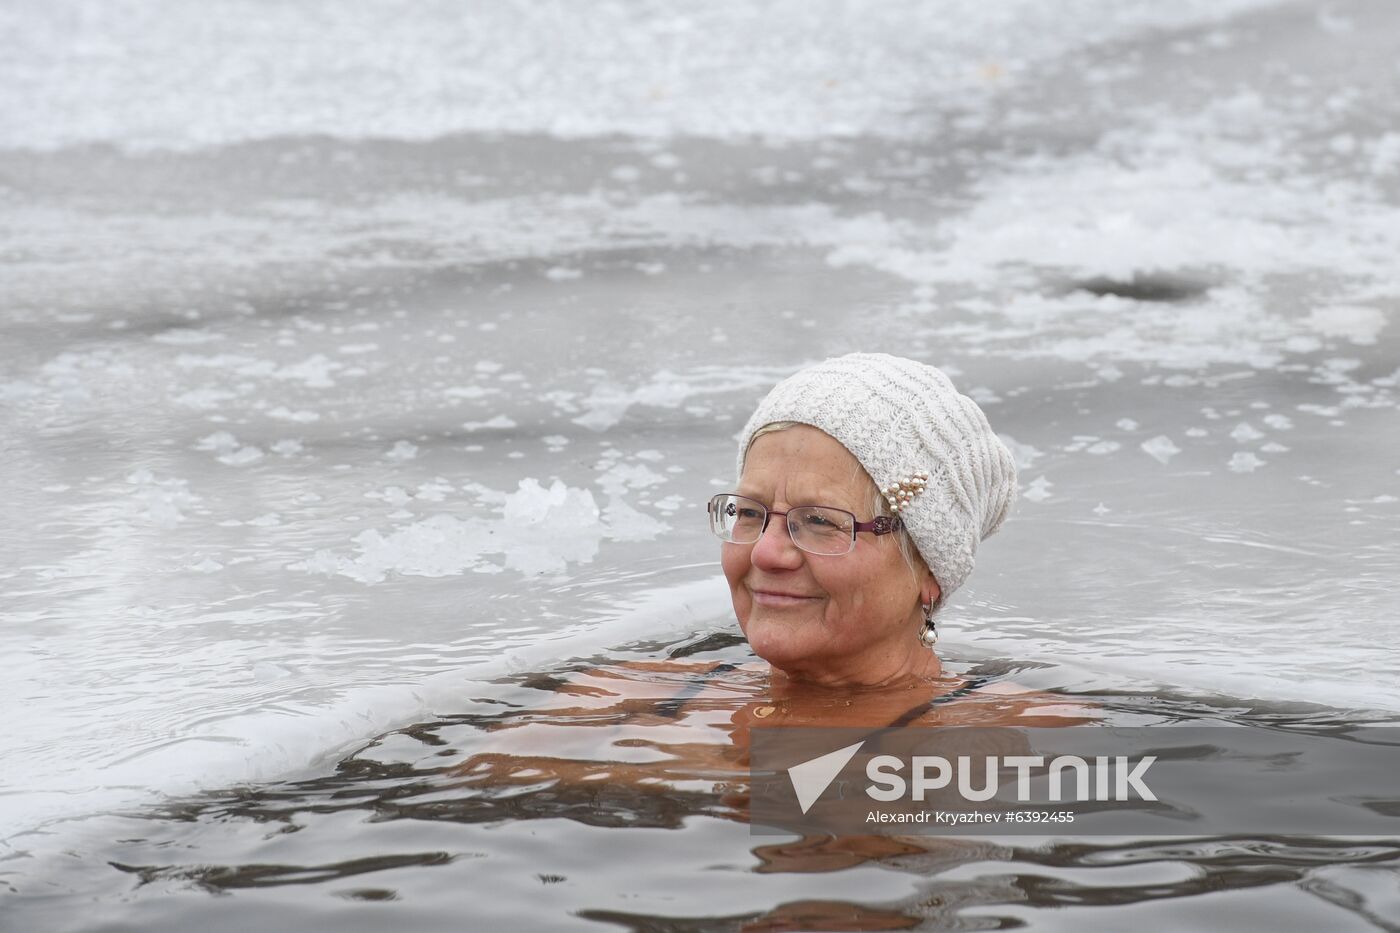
x: 811, y: 778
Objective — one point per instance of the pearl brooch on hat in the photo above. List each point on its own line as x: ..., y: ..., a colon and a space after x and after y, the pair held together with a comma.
x: 901, y: 492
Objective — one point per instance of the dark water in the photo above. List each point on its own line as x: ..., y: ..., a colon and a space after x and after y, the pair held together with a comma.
x: 522, y: 812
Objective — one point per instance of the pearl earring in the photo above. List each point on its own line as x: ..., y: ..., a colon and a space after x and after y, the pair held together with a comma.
x: 929, y: 633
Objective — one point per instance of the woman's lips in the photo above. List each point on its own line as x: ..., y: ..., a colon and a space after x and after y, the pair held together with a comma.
x: 779, y: 600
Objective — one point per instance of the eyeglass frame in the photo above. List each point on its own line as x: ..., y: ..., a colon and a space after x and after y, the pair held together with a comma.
x: 879, y: 525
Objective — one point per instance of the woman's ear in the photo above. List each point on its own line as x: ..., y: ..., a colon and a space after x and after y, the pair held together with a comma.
x: 930, y: 591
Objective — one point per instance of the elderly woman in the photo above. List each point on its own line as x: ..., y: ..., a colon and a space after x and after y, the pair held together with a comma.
x: 865, y: 485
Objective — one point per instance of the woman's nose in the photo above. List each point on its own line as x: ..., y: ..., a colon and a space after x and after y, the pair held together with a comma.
x: 775, y: 549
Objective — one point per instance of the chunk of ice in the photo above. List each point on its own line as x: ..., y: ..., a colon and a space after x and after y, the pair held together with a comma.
x: 500, y: 422
x: 283, y: 413
x: 1360, y: 325
x: 1024, y: 455
x: 1038, y: 490
x: 1245, y: 432
x: 1160, y: 448
x: 401, y: 451
x: 1244, y: 462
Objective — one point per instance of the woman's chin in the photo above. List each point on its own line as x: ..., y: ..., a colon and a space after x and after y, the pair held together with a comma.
x: 782, y: 642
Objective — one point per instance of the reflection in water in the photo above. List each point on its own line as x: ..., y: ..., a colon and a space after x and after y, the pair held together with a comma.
x: 224, y: 878
x: 524, y: 791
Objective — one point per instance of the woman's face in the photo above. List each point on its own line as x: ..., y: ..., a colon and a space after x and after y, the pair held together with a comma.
x: 853, y: 618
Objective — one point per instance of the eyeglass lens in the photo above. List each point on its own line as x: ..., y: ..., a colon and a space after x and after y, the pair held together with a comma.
x: 814, y: 529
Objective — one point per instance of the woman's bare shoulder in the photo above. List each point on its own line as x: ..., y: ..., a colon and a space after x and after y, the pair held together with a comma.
x: 647, y: 678
x: 1007, y: 703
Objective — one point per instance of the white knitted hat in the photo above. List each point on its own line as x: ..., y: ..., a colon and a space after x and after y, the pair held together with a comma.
x: 899, y: 417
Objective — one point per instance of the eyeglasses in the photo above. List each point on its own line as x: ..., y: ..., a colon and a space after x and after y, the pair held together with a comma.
x: 816, y: 529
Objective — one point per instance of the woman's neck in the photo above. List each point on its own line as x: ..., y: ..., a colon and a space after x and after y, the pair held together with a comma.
x: 910, y: 667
